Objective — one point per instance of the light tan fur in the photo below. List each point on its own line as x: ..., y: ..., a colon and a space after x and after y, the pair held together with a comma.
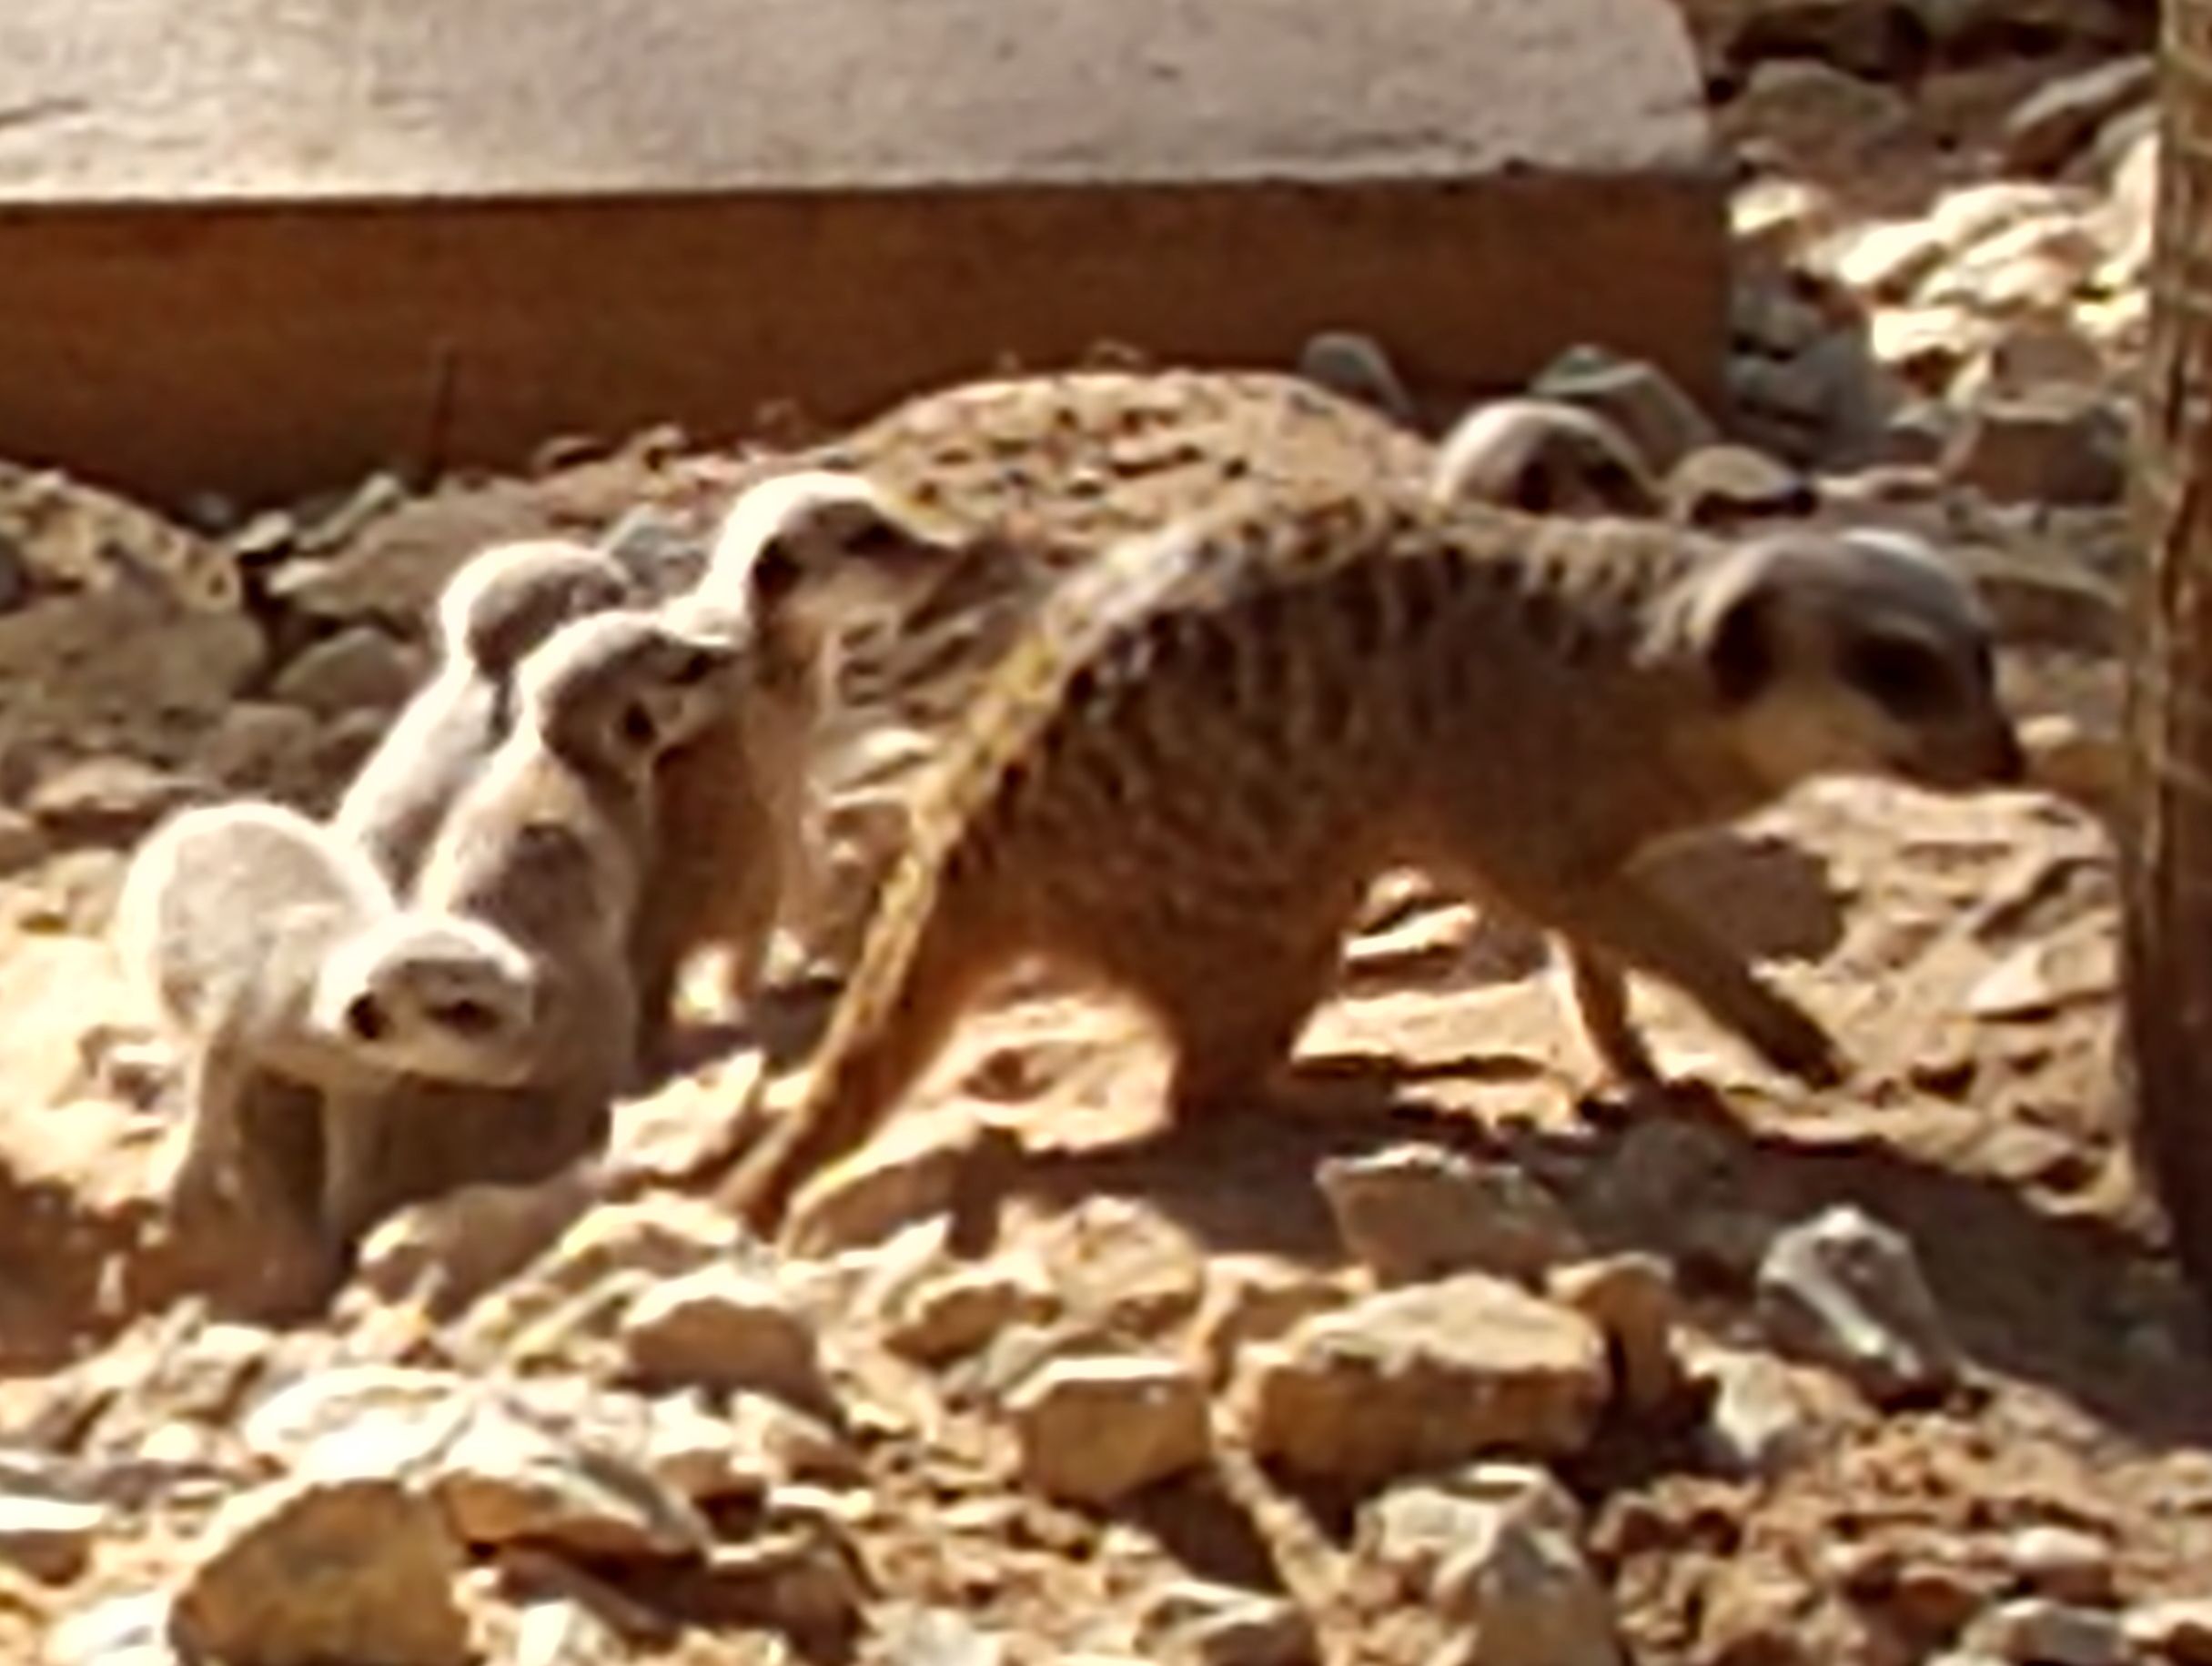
x: 549, y: 845
x: 1546, y: 457
x: 797, y: 556
x: 280, y: 960
x: 1184, y: 776
x: 498, y: 606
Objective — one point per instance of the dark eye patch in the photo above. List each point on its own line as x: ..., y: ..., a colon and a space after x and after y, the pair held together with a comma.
x: 775, y: 570
x: 1612, y: 480
x: 1535, y: 493
x: 466, y: 1018
x: 1907, y: 679
x: 637, y: 726
x: 695, y: 667
x: 877, y: 537
x: 365, y: 1019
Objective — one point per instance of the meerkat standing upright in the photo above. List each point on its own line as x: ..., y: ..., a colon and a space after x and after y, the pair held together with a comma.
x: 278, y: 956
x: 1184, y: 788
x: 501, y: 603
x: 551, y: 844
x: 797, y: 556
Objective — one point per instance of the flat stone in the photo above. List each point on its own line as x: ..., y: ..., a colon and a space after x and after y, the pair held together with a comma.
x: 721, y: 1328
x: 1096, y: 1431
x: 792, y: 182
x: 360, y: 1570
x: 1422, y: 1376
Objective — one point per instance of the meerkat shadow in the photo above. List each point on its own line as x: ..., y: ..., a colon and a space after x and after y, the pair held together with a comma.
x: 1241, y: 1176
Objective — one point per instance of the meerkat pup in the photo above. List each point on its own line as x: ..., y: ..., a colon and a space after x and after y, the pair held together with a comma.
x: 275, y: 954
x: 1185, y: 788
x: 1546, y: 457
x: 551, y: 842
x: 501, y: 603
x: 796, y: 557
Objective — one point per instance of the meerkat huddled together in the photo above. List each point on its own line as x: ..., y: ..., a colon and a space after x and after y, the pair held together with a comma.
x: 347, y: 975
x: 1485, y: 658
x: 592, y: 783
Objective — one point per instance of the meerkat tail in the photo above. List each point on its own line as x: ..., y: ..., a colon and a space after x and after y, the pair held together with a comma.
x: 931, y: 944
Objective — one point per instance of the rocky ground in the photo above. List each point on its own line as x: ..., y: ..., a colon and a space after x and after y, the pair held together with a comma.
x: 1466, y: 1372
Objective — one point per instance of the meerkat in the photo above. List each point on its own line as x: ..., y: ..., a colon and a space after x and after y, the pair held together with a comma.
x: 550, y: 846
x: 501, y: 603
x: 1183, y: 779
x: 1546, y: 457
x: 797, y: 555
x: 280, y: 960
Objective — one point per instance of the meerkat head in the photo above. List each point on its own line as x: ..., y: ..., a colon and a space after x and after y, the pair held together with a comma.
x: 506, y: 599
x: 1544, y: 457
x: 1857, y: 653
x: 435, y: 995
x: 817, y: 545
x: 617, y: 689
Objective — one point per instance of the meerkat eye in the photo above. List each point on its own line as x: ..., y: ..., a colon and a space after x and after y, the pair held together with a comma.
x: 1535, y: 494
x: 466, y: 1018
x: 877, y: 537
x: 695, y: 667
x: 365, y: 1019
x: 1907, y: 679
x: 638, y: 727
x: 775, y: 570
x: 1612, y: 480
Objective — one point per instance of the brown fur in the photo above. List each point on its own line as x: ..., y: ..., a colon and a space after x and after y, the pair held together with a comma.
x: 1184, y: 777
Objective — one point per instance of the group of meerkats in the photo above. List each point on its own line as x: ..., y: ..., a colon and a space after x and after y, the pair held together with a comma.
x: 1180, y: 780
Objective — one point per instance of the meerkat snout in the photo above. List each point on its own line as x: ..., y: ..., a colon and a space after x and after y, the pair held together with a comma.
x: 1545, y: 457
x: 1855, y: 652
x: 433, y: 996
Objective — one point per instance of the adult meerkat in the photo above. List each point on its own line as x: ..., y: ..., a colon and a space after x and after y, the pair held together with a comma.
x: 1546, y: 457
x: 549, y: 845
x: 1184, y: 776
x: 497, y: 607
x: 278, y: 957
x: 796, y: 557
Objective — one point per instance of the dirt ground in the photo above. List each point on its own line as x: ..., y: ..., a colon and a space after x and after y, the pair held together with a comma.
x: 1962, y: 949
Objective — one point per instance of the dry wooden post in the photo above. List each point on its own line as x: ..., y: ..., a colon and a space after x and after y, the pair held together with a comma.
x: 2168, y: 860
